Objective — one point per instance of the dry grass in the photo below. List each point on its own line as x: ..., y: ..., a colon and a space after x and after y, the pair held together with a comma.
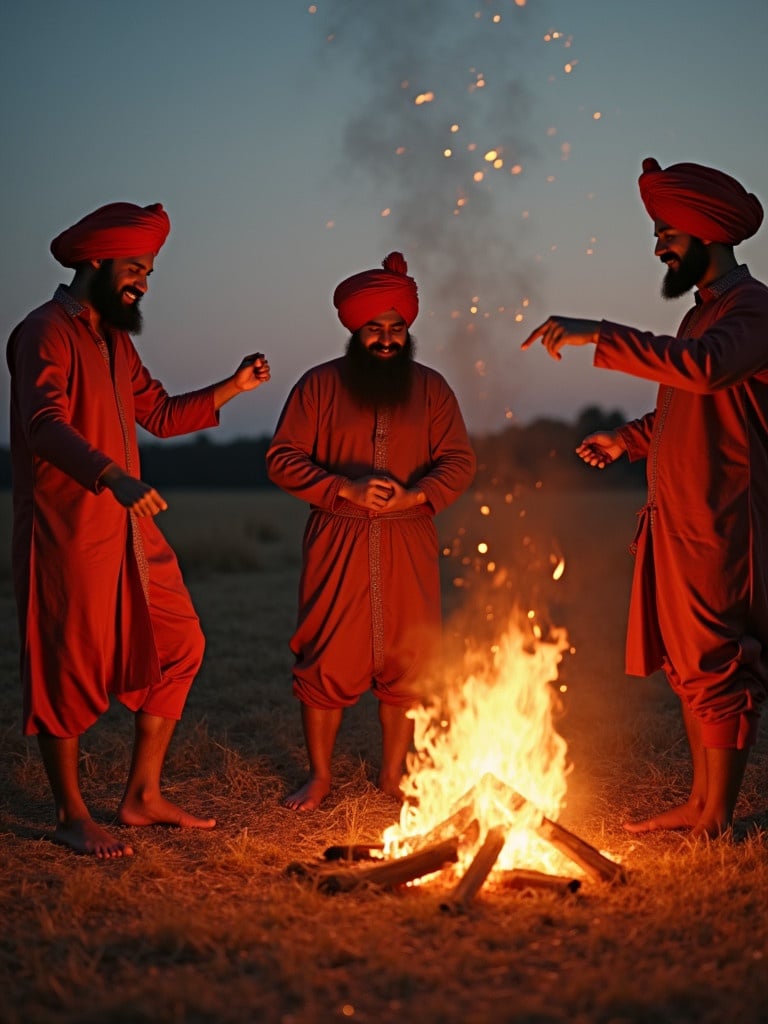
x: 207, y: 927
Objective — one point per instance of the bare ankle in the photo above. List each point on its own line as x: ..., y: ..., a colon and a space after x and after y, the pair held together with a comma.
x: 309, y: 796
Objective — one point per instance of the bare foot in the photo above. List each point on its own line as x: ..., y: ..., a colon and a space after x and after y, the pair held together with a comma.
x: 85, y: 836
x: 391, y: 786
x: 684, y: 816
x: 711, y: 828
x: 310, y: 796
x: 158, y: 811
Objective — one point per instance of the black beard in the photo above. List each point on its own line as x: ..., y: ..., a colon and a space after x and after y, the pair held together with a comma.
x: 107, y: 302
x: 375, y: 381
x: 692, y: 268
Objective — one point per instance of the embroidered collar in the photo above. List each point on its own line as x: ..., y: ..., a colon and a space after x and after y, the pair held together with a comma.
x: 722, y: 284
x: 68, y: 302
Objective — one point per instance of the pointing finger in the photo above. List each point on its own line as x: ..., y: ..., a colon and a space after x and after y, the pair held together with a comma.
x: 534, y: 335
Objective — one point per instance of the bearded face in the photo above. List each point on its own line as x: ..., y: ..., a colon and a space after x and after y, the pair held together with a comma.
x: 686, y: 269
x: 377, y: 374
x: 116, y: 298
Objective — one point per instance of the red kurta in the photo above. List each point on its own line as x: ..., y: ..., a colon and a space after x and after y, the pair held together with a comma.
x: 369, y: 597
x: 102, y: 606
x: 699, y: 604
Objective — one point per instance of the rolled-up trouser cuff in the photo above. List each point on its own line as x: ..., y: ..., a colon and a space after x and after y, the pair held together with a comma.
x: 735, y: 733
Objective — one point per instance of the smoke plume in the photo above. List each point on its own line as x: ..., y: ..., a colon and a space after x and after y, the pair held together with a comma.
x: 440, y: 136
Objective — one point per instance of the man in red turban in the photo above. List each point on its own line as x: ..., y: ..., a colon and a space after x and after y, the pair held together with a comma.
x: 376, y: 290
x: 699, y: 603
x: 115, y: 230
x: 700, y: 201
x: 376, y: 444
x: 102, y: 607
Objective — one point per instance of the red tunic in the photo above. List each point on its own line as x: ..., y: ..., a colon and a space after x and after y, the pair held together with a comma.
x: 699, y: 605
x: 102, y: 606
x: 369, y: 596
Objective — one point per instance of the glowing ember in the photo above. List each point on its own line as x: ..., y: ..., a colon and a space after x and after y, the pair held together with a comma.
x: 493, y: 735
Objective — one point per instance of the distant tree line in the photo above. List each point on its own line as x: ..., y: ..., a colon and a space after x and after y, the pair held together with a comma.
x: 544, y: 450
x: 203, y: 463
x: 519, y: 455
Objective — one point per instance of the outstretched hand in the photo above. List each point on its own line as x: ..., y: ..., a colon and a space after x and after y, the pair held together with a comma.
x: 252, y: 371
x: 250, y: 374
x: 558, y: 331
x: 601, y: 448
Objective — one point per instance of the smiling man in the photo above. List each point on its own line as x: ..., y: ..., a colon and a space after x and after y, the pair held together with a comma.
x: 699, y: 604
x: 376, y: 444
x: 103, y: 609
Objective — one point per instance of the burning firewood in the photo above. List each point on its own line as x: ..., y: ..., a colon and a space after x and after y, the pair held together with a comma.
x: 439, y: 847
x: 597, y: 866
x: 386, y: 874
x: 396, y: 871
x: 481, y: 866
x: 462, y: 821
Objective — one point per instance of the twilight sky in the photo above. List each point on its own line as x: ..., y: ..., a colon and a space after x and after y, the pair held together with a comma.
x: 294, y: 144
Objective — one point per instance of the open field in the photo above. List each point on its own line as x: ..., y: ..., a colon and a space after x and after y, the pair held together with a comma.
x: 207, y: 927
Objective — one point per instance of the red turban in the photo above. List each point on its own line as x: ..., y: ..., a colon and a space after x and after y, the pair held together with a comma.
x: 700, y: 201
x: 363, y: 296
x: 113, y: 232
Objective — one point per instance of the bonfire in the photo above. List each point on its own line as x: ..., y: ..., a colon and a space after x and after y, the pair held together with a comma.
x: 485, y: 786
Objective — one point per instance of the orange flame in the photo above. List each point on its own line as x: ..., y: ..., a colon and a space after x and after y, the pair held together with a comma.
x: 498, y: 724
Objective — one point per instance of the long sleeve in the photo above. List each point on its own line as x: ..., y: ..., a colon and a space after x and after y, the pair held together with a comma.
x: 292, y: 455
x: 453, y: 460
x: 325, y: 437
x: 41, y: 364
x: 636, y: 435
x: 726, y: 346
x: 162, y: 414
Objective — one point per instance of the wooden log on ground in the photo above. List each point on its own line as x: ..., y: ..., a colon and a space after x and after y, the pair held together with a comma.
x: 390, y: 873
x: 523, y: 878
x: 598, y: 867
x: 481, y: 866
x: 354, y: 852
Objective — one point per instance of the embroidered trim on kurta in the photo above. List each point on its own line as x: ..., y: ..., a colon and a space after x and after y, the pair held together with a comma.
x: 136, y: 539
x: 74, y: 308
x: 380, y: 461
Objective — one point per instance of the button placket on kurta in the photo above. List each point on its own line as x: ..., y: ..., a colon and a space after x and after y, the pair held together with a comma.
x: 136, y: 540
x: 380, y: 461
x: 76, y: 309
